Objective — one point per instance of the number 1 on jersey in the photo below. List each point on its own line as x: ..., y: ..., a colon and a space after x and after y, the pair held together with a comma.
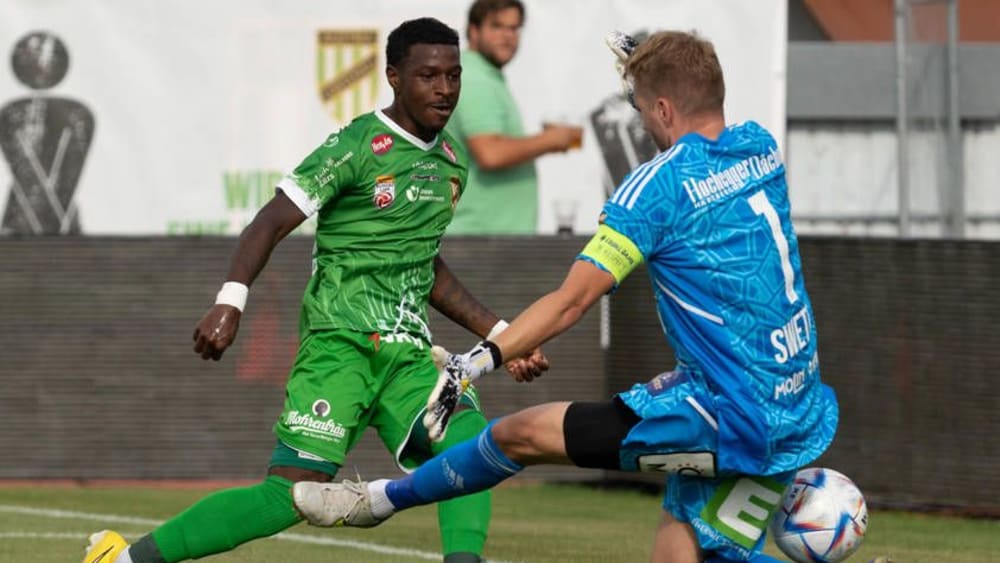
x: 762, y: 206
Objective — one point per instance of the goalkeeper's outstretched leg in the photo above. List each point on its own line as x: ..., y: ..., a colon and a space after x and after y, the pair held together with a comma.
x: 581, y: 434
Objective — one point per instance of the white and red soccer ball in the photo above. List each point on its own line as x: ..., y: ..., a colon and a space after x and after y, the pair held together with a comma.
x: 822, y: 518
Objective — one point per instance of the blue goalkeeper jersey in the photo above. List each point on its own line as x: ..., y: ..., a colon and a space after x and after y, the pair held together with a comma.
x: 712, y: 221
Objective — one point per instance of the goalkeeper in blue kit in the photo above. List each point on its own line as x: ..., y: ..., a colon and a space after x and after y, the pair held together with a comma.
x: 744, y: 407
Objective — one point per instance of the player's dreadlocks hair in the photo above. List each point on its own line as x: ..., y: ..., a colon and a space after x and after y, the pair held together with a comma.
x: 427, y: 31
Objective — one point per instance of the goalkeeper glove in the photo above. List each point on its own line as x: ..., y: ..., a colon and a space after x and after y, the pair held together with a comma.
x: 622, y: 45
x: 456, y: 372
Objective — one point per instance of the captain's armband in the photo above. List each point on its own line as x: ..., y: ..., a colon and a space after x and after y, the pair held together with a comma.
x: 613, y: 251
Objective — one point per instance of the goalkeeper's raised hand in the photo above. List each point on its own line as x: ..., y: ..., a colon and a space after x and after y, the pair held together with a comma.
x: 622, y: 45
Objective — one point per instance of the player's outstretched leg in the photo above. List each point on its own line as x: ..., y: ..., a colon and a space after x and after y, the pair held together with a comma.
x: 478, y: 464
x: 219, y: 522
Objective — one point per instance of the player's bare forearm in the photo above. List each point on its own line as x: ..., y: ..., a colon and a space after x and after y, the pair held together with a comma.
x: 217, y: 329
x: 545, y: 319
x: 496, y: 152
x: 454, y: 301
x: 555, y: 312
x: 271, y: 224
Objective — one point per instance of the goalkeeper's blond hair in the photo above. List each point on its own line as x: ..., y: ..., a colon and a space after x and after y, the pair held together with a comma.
x: 681, y: 67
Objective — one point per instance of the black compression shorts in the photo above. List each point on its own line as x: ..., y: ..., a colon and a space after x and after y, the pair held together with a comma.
x: 594, y: 431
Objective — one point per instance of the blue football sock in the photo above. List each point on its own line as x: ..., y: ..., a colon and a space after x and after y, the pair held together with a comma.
x: 472, y: 466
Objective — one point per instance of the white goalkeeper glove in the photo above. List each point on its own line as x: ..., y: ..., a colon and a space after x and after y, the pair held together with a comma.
x: 622, y: 45
x: 455, y: 373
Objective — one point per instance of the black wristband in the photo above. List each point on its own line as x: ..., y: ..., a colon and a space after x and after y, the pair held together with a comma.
x: 494, y: 352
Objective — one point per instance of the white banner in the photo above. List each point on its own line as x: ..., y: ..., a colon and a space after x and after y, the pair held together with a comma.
x: 136, y: 117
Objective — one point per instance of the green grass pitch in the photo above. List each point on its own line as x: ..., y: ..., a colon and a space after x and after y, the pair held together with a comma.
x: 543, y: 523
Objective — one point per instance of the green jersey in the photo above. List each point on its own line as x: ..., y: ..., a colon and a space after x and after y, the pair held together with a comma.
x: 384, y: 198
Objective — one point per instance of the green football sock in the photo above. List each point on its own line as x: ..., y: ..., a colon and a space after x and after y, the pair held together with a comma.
x: 223, y: 520
x: 463, y: 521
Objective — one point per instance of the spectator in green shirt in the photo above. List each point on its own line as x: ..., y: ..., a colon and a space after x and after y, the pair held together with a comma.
x: 502, y: 192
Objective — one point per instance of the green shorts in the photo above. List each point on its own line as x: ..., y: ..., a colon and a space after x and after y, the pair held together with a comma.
x: 344, y: 381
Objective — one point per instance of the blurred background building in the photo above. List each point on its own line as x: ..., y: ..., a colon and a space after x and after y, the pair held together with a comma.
x: 893, y: 107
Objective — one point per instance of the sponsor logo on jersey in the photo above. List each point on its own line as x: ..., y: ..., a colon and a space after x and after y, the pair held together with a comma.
x: 385, y: 192
x: 343, y: 159
x: 684, y: 463
x: 333, y: 141
x: 424, y: 165
x: 456, y: 190
x: 310, y: 425
x: 325, y: 174
x: 348, y: 77
x: 381, y: 144
x: 449, y: 151
x: 417, y: 193
x: 664, y: 382
x: 717, y: 185
x: 794, y: 384
x: 412, y: 193
x: 306, y: 455
x: 321, y: 407
x: 425, y: 177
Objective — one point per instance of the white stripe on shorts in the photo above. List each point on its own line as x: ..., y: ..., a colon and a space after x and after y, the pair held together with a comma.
x: 704, y: 413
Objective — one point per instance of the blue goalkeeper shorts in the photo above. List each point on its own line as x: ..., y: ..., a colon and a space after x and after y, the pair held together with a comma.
x: 678, y: 434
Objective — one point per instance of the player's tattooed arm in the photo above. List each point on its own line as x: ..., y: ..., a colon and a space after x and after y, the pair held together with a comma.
x: 216, y: 330
x: 454, y: 301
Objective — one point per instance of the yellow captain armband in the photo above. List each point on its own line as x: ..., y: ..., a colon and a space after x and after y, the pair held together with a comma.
x: 614, y: 251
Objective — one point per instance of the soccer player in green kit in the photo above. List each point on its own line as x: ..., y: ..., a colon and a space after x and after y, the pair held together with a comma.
x: 384, y: 188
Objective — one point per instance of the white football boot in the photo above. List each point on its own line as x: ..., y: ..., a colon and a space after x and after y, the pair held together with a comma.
x: 335, y: 504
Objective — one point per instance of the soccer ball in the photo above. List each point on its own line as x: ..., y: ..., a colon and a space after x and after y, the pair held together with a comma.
x: 822, y: 518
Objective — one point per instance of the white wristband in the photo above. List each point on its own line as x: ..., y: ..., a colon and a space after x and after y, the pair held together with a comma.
x: 233, y: 293
x: 497, y: 329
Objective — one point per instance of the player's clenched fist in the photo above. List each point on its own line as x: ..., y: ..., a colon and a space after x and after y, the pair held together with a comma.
x: 216, y: 331
x: 529, y: 367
